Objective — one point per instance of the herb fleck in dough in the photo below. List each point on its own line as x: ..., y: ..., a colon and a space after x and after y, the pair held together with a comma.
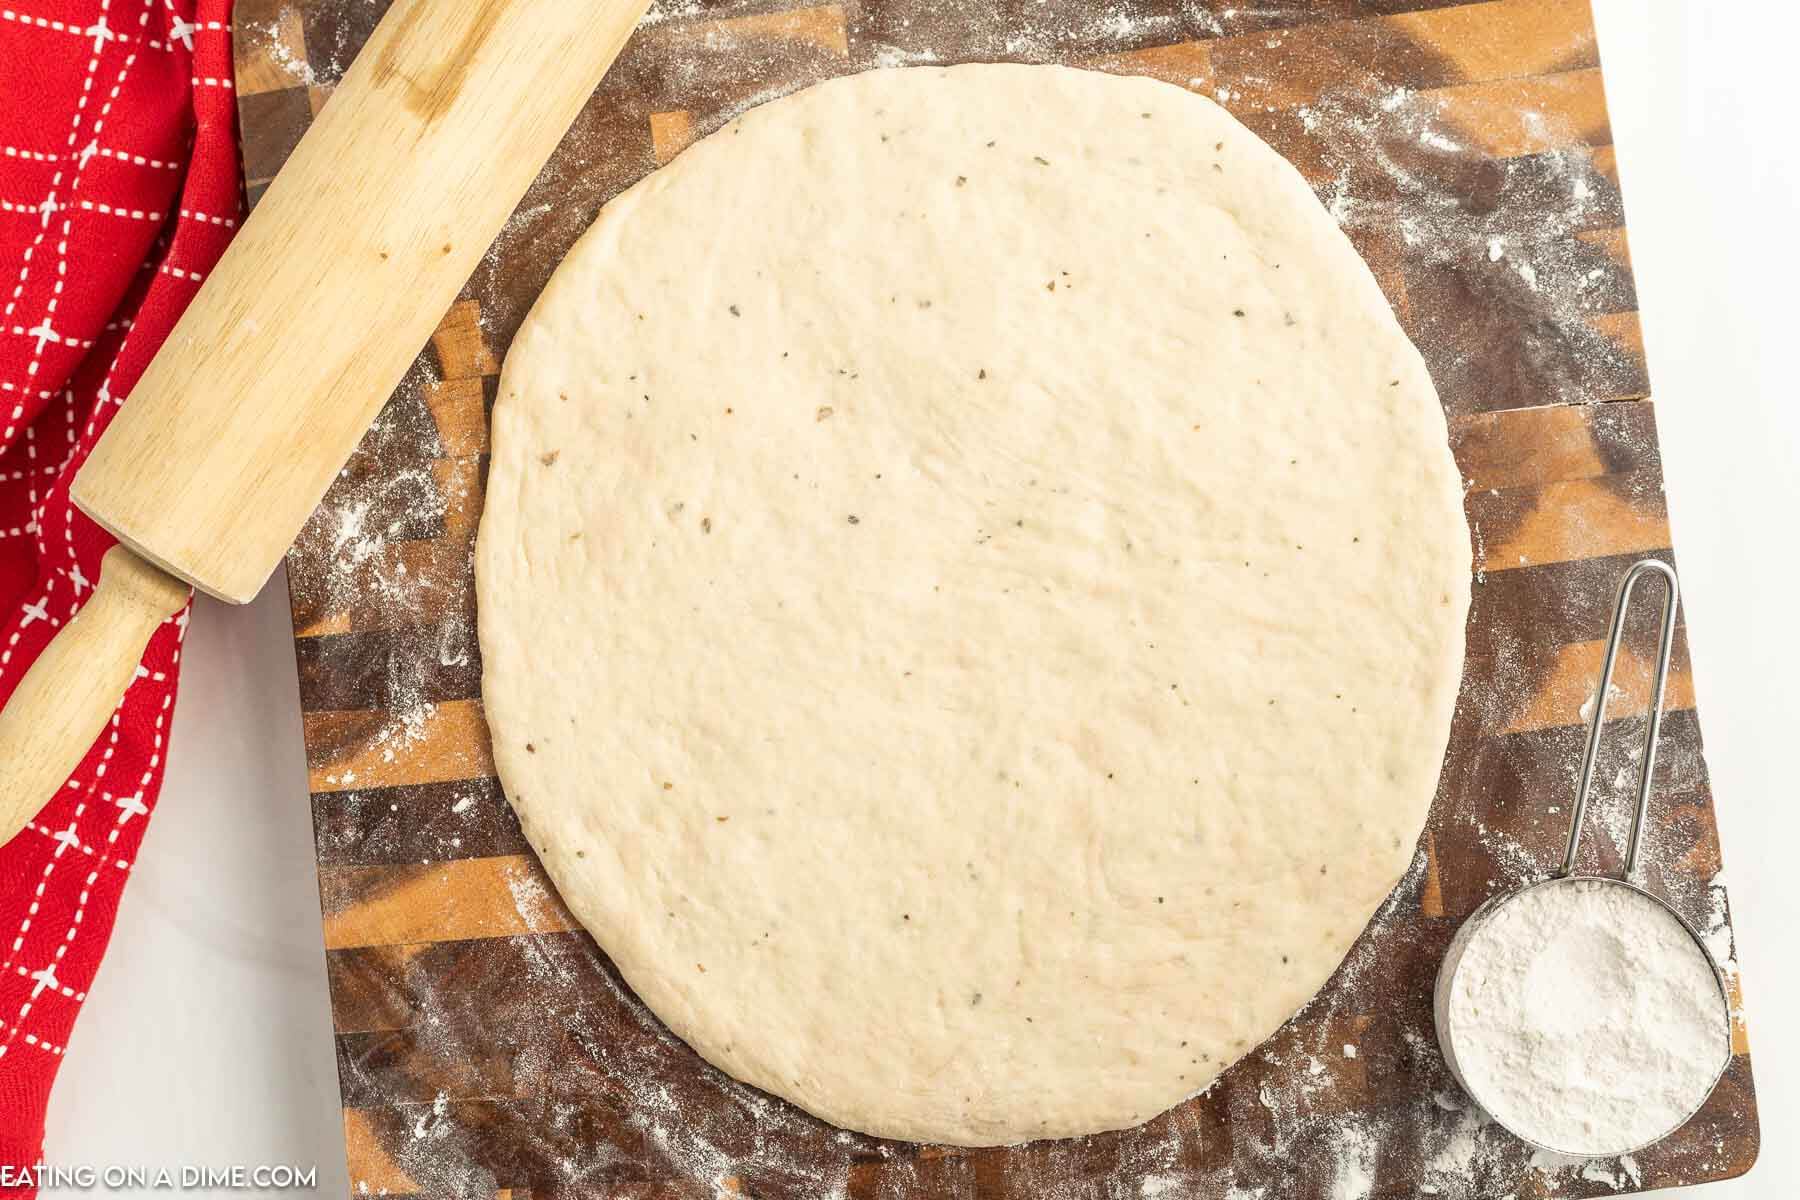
x: 972, y: 596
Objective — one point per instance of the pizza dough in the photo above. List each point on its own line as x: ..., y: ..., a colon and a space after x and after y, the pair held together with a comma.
x: 972, y: 595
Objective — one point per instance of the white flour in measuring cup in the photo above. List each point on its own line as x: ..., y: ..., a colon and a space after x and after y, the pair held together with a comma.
x: 1586, y: 1018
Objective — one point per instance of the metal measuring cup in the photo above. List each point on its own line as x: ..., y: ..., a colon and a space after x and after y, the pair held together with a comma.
x: 1565, y: 876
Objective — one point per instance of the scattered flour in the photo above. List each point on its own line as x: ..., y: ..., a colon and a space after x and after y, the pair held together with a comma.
x: 1353, y: 1177
x: 671, y: 10
x: 432, y: 1124
x: 1614, y: 693
x: 270, y: 39
x: 1617, y: 1178
x: 532, y: 898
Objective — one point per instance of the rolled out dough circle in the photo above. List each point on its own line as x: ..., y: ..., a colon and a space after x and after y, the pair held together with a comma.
x: 972, y: 594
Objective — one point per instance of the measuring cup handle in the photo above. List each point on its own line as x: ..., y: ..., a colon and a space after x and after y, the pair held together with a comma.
x: 1671, y: 599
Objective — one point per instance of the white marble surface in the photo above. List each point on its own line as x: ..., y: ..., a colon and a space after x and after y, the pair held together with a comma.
x: 207, y: 1039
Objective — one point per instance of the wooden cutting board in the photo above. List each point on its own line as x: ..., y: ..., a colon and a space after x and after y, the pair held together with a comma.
x: 486, y: 1046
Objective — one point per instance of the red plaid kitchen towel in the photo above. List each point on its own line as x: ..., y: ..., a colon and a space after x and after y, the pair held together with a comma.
x: 119, y: 188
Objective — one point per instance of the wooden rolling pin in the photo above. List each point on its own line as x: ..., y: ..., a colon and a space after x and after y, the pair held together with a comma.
x: 301, y: 333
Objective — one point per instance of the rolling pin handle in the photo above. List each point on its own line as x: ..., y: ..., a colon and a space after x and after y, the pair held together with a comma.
x: 69, y: 694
